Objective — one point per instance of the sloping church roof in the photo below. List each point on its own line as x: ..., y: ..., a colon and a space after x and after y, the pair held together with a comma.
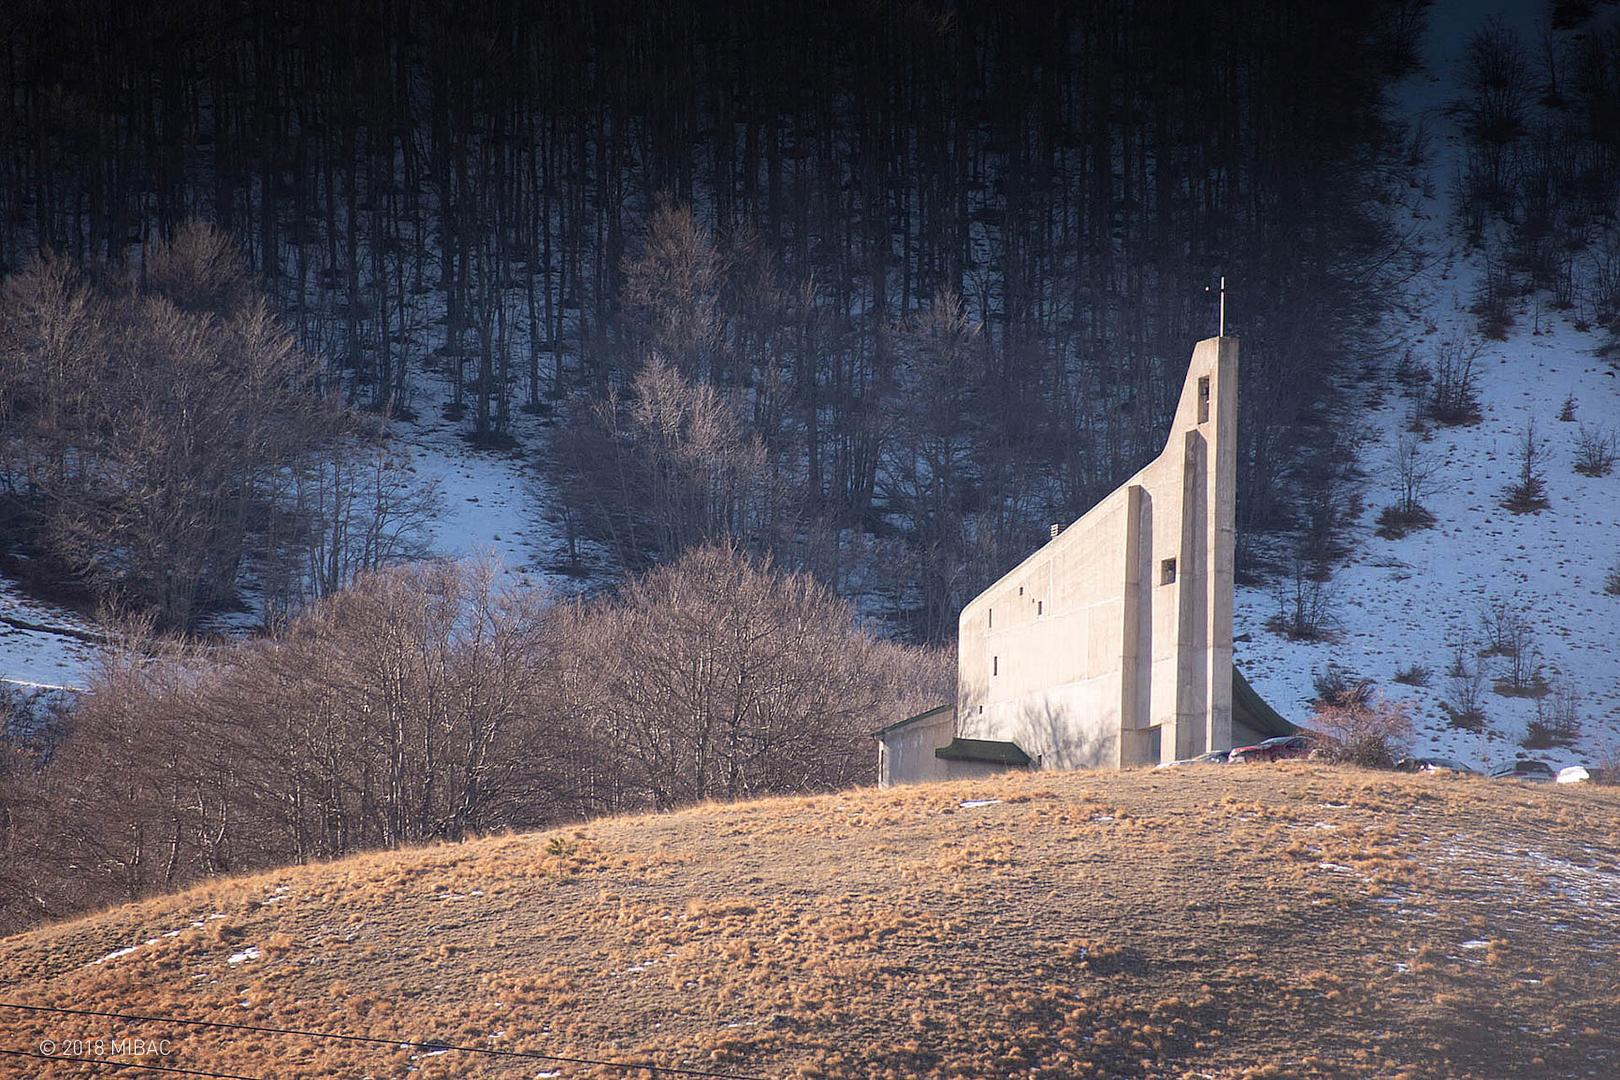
x: 898, y: 724
x: 1251, y: 710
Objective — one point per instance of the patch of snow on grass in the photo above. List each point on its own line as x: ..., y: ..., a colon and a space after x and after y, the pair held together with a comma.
x: 116, y: 953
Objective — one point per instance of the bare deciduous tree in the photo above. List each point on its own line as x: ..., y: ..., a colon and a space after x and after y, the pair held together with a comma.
x: 433, y: 702
x: 154, y: 417
x: 668, y: 466
x: 718, y: 677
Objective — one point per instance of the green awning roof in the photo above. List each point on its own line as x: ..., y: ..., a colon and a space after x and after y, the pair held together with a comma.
x: 987, y: 751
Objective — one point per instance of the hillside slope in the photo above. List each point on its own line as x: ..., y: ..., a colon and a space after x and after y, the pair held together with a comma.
x: 1298, y: 918
x: 1412, y: 602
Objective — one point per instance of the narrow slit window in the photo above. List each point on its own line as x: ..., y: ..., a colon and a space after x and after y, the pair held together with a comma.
x: 990, y: 618
x: 1203, y: 399
x: 1040, y: 606
x: 995, y: 665
x: 1167, y: 572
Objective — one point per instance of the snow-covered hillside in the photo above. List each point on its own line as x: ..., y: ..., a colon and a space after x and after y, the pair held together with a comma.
x: 1408, y: 602
x: 493, y: 504
x: 38, y: 643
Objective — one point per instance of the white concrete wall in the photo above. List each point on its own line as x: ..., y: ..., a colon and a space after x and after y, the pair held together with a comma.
x: 906, y: 752
x: 1079, y: 654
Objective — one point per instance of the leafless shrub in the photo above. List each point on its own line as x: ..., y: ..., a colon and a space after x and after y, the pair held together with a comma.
x: 1566, y: 709
x: 1413, y: 472
x: 1498, y: 82
x: 1595, y: 451
x: 1306, y: 606
x: 1368, y: 731
x: 1528, y: 494
x: 1414, y: 675
x: 1411, y: 373
x: 1608, y: 765
x: 1500, y: 624
x: 1510, y: 632
x: 1498, y: 77
x: 1454, y: 391
x: 1557, y: 723
x: 1611, y: 582
x: 1336, y: 687
x: 1464, y: 704
x: 1494, y: 294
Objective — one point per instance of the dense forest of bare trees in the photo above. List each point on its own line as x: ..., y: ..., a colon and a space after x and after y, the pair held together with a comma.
x: 939, y: 265
x: 159, y: 431
x: 434, y: 702
x: 1540, y: 186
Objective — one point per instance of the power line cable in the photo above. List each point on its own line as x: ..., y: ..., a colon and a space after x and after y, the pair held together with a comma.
x: 375, y: 1040
x: 42, y: 1056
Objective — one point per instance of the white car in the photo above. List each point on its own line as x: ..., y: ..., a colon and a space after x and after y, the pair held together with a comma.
x: 1431, y: 764
x: 1214, y: 757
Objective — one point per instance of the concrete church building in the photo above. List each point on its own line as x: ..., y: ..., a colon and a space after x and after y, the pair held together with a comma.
x: 1111, y: 646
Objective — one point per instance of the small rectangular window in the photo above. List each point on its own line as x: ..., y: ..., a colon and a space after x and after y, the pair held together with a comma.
x: 995, y: 665
x: 1167, y: 572
x: 989, y: 618
x: 1203, y: 399
x: 1040, y: 606
x: 1020, y: 590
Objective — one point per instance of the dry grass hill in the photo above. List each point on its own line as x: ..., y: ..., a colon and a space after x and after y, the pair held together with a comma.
x: 1291, y: 920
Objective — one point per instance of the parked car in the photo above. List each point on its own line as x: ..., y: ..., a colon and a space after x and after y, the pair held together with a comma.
x: 1526, y: 769
x: 1431, y: 764
x: 1284, y: 746
x: 1214, y: 757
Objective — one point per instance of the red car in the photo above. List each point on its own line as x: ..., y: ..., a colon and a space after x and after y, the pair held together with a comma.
x: 1284, y: 746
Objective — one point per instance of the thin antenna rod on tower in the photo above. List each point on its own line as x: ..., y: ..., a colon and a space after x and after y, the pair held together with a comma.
x: 1222, y: 329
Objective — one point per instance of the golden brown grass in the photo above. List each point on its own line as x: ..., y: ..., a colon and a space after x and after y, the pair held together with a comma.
x: 1264, y: 921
